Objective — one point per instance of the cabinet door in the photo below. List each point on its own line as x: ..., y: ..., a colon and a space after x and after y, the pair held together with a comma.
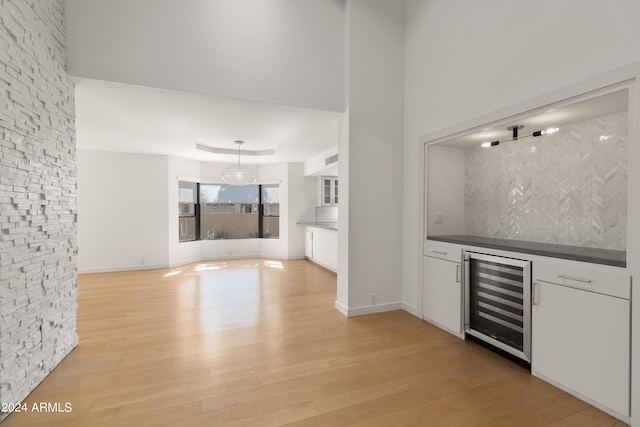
x: 442, y: 294
x: 308, y: 244
x: 580, y: 340
x: 329, y: 187
x: 325, y: 248
x: 335, y: 191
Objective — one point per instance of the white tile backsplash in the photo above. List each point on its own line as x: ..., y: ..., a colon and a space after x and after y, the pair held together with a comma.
x: 326, y: 214
x: 568, y: 188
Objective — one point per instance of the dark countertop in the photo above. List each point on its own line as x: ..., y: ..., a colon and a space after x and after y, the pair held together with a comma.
x: 575, y: 253
x: 326, y: 225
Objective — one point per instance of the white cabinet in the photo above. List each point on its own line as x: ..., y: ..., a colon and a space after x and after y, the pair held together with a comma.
x: 321, y: 247
x: 581, y: 336
x: 329, y: 190
x: 443, y: 250
x: 308, y: 243
x: 442, y: 294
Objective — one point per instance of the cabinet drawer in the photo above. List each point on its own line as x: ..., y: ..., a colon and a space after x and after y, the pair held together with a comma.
x: 603, y: 280
x: 443, y: 250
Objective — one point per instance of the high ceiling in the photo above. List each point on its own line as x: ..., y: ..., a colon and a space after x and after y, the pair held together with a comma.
x: 127, y: 118
x: 157, y: 76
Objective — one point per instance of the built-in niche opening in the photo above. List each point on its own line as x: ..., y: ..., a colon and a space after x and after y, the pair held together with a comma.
x: 560, y: 177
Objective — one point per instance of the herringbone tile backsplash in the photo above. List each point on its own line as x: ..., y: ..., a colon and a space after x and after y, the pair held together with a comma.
x: 568, y: 188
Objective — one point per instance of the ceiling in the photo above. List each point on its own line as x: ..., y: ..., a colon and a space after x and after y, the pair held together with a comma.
x: 552, y: 116
x: 137, y: 119
x: 159, y: 76
x: 286, y: 52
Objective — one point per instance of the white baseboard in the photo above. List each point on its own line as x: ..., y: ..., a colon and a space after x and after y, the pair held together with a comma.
x: 184, y: 262
x: 223, y: 257
x: 297, y: 257
x: 116, y: 269
x: 342, y: 309
x: 322, y: 265
x: 411, y: 310
x: 175, y: 264
x: 268, y: 255
x: 368, y: 309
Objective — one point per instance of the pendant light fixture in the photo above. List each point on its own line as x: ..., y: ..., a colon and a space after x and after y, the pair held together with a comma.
x: 239, y: 174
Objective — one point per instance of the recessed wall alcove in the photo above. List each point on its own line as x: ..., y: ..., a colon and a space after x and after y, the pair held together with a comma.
x: 567, y: 187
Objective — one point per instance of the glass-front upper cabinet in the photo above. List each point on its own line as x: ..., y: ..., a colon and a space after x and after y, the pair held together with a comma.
x: 329, y: 186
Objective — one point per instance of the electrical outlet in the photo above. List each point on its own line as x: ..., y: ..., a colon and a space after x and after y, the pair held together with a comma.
x: 374, y: 299
x: 439, y: 218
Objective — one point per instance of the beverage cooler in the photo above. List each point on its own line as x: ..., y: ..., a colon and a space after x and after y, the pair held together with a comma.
x: 498, y: 302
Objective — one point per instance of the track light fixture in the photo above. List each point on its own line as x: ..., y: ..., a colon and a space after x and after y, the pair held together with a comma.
x: 545, y: 132
x: 490, y: 144
x: 514, y: 131
x: 514, y: 135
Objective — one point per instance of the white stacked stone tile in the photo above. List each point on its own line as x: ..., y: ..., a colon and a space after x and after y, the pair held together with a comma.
x: 38, y: 243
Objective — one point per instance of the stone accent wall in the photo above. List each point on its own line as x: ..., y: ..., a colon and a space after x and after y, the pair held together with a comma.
x: 38, y: 293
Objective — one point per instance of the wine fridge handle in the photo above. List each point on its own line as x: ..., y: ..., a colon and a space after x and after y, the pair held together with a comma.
x: 536, y: 294
x: 466, y: 294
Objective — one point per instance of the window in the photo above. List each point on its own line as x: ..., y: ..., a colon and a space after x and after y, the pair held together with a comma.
x: 228, y: 212
x: 187, y: 199
x: 221, y: 211
x: 270, y: 218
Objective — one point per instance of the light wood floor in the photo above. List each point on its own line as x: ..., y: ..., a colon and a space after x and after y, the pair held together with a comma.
x: 259, y: 342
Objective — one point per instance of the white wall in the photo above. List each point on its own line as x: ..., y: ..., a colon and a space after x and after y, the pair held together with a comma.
x: 185, y: 252
x: 281, y: 51
x: 122, y: 211
x: 301, y: 207
x: 468, y: 58
x: 342, y: 294
x: 227, y: 249
x: 317, y: 165
x: 375, y: 96
x: 633, y: 248
x: 128, y: 210
x: 446, y: 178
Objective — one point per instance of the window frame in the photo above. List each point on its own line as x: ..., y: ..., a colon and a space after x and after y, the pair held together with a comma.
x: 262, y: 216
x: 198, y: 211
x: 195, y: 215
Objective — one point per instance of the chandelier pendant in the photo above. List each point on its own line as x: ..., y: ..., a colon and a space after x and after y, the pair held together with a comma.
x: 239, y: 175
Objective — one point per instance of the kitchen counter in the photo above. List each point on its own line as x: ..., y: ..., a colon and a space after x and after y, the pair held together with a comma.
x: 326, y: 225
x: 575, y: 253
